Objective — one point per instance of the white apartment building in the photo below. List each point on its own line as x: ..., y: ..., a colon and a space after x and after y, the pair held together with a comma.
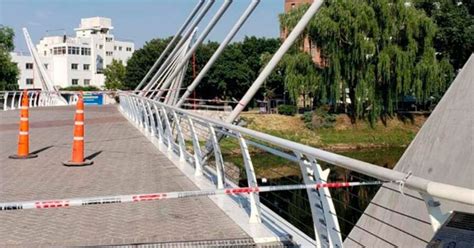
x: 78, y: 60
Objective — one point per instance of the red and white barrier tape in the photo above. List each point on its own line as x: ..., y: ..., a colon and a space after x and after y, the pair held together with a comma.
x: 172, y: 195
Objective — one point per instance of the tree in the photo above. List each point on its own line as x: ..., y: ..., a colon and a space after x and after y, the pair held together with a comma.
x: 115, y: 75
x: 9, y: 71
x: 455, y: 37
x: 230, y: 76
x: 142, y: 60
x: 380, y: 50
x: 301, y: 77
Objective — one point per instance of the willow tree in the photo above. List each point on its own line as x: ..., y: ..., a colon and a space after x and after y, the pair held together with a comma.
x: 301, y: 78
x: 379, y: 50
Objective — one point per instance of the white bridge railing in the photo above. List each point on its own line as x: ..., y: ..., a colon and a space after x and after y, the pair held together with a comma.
x: 175, y: 128
x: 10, y: 100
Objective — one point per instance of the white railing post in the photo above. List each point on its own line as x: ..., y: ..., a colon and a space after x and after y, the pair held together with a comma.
x: 168, y: 132
x: 20, y: 99
x: 5, y: 107
x: 159, y: 122
x: 218, y: 157
x: 255, y: 214
x: 317, y: 175
x: 316, y: 206
x: 181, y: 142
x: 12, y: 106
x: 153, y: 130
x: 196, y: 148
x: 437, y: 217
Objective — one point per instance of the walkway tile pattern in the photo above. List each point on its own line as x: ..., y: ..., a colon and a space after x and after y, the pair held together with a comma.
x: 125, y: 163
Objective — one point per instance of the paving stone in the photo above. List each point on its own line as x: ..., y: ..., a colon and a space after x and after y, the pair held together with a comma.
x: 125, y: 163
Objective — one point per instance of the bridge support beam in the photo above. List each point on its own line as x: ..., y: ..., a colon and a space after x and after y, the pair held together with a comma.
x: 255, y: 214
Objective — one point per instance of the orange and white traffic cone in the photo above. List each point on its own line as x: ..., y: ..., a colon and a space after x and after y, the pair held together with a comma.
x: 78, y: 143
x: 24, y: 136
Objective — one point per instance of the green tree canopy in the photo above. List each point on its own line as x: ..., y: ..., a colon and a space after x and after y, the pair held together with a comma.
x: 455, y: 20
x: 142, y: 60
x: 114, y: 75
x: 380, y: 50
x: 9, y: 71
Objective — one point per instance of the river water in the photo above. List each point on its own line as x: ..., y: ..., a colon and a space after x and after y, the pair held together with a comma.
x: 294, y: 205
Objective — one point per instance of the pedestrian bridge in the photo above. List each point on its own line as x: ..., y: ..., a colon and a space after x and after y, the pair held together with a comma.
x: 142, y: 147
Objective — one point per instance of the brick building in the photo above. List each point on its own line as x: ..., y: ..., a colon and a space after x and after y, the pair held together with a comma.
x: 308, y: 45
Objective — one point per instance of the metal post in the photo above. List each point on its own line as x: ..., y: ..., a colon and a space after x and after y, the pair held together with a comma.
x: 168, y: 133
x: 13, y: 101
x: 437, y: 217
x: 295, y: 33
x: 5, y: 101
x: 146, y: 116
x: 180, y: 43
x: 152, y: 119
x: 218, y: 158
x: 160, y: 123
x: 181, y: 142
x: 334, y: 231
x: 30, y: 95
x: 198, y: 42
x: 255, y: 215
x: 196, y: 148
x: 316, y: 206
x: 170, y: 44
x: 219, y: 51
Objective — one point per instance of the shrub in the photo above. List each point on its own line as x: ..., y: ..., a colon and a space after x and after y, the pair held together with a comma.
x: 287, y: 110
x: 320, y: 118
x: 80, y: 88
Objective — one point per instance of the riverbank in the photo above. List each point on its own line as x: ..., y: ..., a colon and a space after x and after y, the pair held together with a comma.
x: 343, y: 136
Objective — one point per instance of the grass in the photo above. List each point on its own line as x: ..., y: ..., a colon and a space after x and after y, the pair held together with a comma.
x: 343, y: 136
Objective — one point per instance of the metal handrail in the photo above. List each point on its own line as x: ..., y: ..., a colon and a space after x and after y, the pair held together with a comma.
x: 435, y: 189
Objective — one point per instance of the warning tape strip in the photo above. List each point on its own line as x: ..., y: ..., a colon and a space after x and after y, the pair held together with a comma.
x: 64, y: 203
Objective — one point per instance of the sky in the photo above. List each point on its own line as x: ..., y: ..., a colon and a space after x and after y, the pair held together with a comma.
x: 135, y: 20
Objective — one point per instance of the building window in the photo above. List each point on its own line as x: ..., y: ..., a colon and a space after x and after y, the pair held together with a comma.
x: 29, y: 81
x: 46, y: 66
x: 101, y: 46
x: 108, y: 39
x: 85, y: 51
x: 115, y: 48
x: 129, y: 49
x: 29, y: 66
x: 73, y: 50
x: 109, y: 53
x: 87, y: 82
x: 75, y: 81
x: 45, y: 53
x: 120, y: 48
x: 74, y: 66
x: 59, y: 50
x: 86, y: 67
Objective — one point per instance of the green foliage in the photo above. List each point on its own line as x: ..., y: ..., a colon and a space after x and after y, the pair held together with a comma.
x: 455, y: 37
x: 230, y: 76
x: 320, y: 118
x: 287, y: 109
x: 236, y: 69
x: 301, y: 78
x: 80, y: 88
x: 9, y: 71
x: 6, y: 38
x: 380, y: 50
x: 115, y: 75
x: 142, y: 60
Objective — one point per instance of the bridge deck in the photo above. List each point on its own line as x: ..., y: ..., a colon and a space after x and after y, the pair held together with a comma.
x: 125, y: 163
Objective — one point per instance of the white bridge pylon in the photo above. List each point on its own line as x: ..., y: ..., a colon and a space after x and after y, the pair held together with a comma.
x: 54, y: 97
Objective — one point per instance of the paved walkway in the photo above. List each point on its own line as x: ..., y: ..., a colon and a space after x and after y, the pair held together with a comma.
x: 125, y: 163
